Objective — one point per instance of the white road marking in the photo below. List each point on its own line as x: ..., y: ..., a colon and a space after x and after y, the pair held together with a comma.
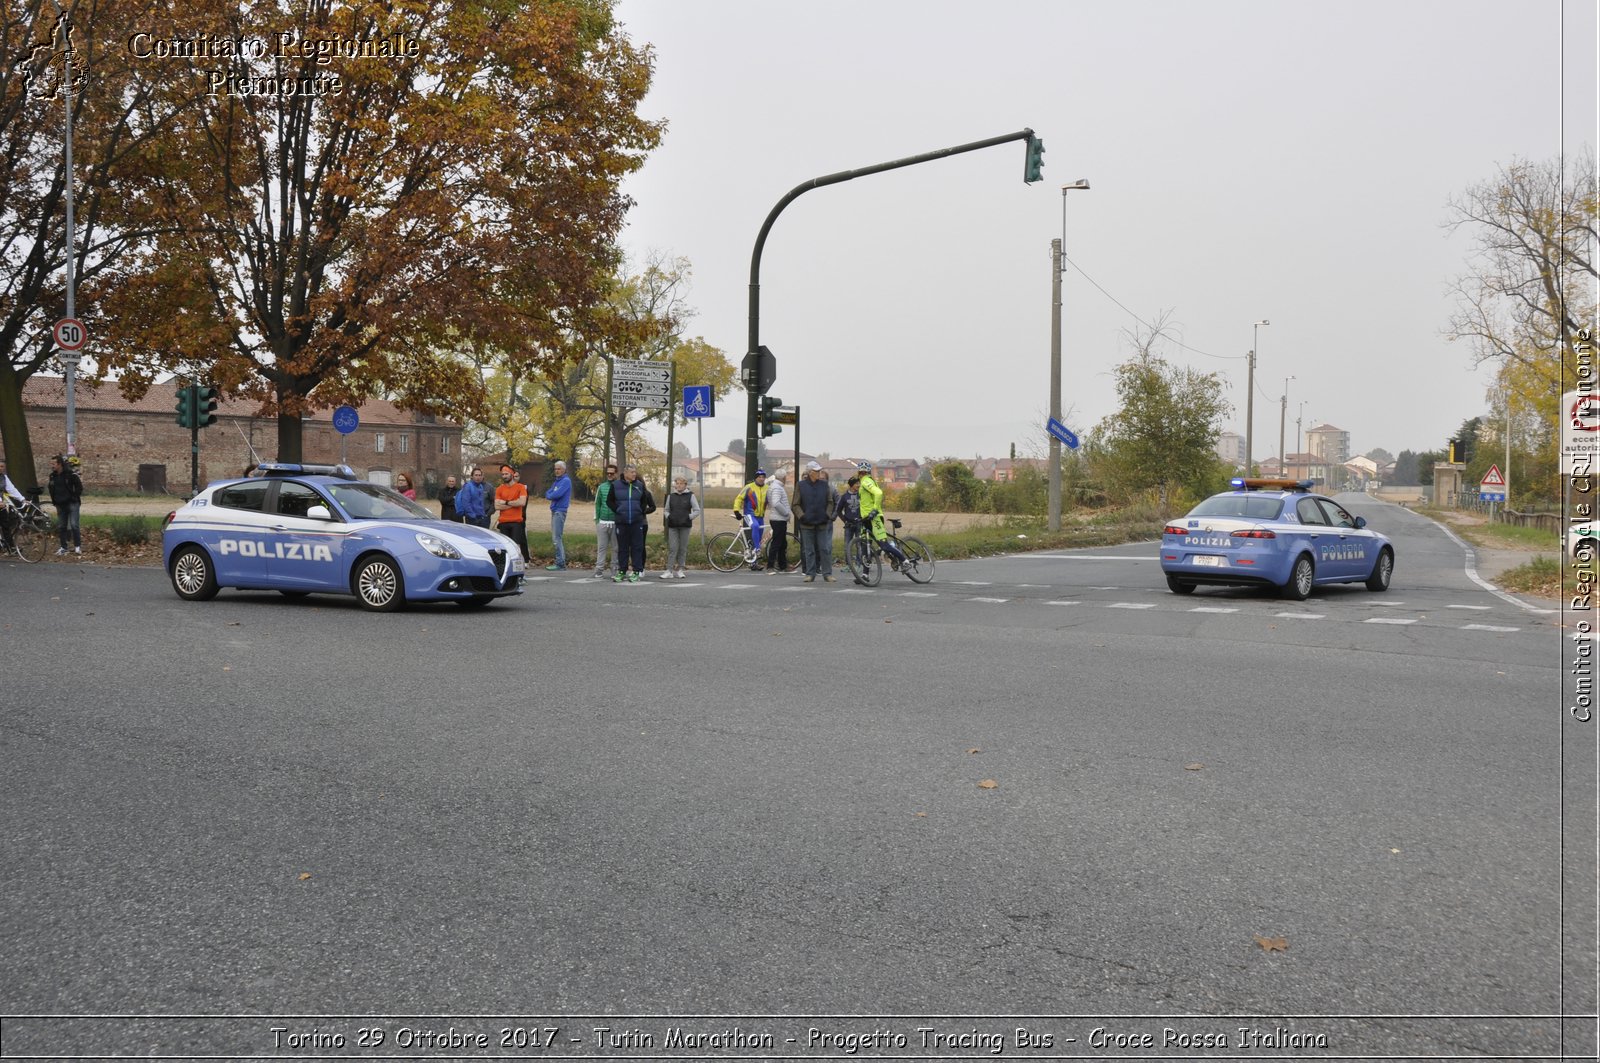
x: 1131, y: 605
x: 991, y: 601
x: 1066, y: 601
x: 919, y: 594
x: 1483, y: 608
x: 738, y: 586
x: 1302, y: 616
x: 972, y: 582
x: 1472, y: 573
x: 1487, y: 627
x: 1212, y: 609
x: 1388, y: 620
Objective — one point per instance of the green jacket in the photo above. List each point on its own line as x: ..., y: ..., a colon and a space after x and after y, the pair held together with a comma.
x: 871, y: 497
x: 602, y: 499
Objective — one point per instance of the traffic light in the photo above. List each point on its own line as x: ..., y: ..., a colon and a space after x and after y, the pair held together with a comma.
x: 186, y: 405
x: 205, y: 410
x: 769, y: 407
x: 1033, y: 165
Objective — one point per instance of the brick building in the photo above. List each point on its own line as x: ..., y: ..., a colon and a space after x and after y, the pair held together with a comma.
x: 139, y: 446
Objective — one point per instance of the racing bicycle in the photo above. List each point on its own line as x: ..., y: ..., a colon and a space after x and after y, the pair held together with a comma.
x: 30, y: 539
x: 865, y: 556
x: 730, y: 551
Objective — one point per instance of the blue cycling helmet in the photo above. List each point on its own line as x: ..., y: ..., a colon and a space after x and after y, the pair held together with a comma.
x: 761, y: 472
x: 864, y: 466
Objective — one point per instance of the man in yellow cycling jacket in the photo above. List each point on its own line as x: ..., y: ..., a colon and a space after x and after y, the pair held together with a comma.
x: 751, y: 503
x: 872, y: 513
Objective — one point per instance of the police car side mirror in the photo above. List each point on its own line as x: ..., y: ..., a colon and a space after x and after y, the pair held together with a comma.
x: 1361, y: 522
x: 319, y: 512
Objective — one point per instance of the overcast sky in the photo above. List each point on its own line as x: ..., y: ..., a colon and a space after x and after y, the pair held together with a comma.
x: 1250, y: 160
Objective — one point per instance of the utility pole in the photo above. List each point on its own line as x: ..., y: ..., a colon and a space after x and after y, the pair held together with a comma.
x: 1055, y: 380
x: 1250, y: 400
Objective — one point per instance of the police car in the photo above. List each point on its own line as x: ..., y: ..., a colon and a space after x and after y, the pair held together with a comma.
x: 301, y: 529
x: 1273, y: 533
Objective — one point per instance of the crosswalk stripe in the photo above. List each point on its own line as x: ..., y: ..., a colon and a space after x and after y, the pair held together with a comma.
x: 1212, y: 609
x: 991, y: 601
x: 1302, y: 616
x: 1487, y: 627
x: 1131, y: 605
x: 1388, y: 620
x: 1481, y: 608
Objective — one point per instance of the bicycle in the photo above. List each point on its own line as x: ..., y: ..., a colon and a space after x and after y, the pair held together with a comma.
x: 30, y: 539
x: 865, y: 556
x: 731, y: 551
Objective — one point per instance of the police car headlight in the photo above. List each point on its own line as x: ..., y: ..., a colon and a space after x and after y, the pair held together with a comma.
x: 438, y: 547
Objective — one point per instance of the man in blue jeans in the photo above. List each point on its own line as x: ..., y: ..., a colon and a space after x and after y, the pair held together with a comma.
x: 66, y: 494
x: 560, y: 496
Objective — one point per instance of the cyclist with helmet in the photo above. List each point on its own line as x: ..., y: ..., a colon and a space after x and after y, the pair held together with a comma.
x: 872, y: 514
x: 751, y: 507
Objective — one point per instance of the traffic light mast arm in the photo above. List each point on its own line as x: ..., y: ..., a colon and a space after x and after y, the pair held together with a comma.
x: 753, y: 414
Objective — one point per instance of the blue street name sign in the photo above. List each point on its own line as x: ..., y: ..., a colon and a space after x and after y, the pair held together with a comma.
x: 346, y: 420
x: 699, y: 401
x: 1491, y: 496
x: 1061, y: 432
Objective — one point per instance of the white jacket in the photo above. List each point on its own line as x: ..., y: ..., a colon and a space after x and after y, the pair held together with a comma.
x: 778, y: 501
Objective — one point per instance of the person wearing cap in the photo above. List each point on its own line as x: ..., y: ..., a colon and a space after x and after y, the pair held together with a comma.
x: 750, y: 506
x: 872, y: 514
x: 510, y: 506
x: 819, y: 505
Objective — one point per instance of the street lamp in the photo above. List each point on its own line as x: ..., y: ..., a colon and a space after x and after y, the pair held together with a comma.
x: 1283, y: 418
x: 1250, y: 399
x: 69, y: 359
x: 1057, y: 265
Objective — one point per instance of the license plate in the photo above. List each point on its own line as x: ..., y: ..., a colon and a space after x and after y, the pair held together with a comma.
x: 1211, y: 561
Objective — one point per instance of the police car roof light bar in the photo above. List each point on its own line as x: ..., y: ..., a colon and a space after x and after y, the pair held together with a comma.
x: 289, y: 468
x: 1259, y: 484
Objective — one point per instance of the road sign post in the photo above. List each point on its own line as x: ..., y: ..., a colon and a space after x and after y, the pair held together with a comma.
x: 1061, y: 432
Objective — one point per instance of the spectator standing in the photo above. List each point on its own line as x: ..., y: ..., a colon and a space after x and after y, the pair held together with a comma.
x: 605, y: 525
x: 66, y: 494
x: 632, y: 502
x: 850, y: 514
x: 750, y: 506
x: 447, y: 500
x: 472, y: 501
x: 405, y: 486
x: 682, y: 508
x: 510, y: 507
x: 560, y: 497
x: 819, y: 505
x: 778, y: 513
x: 9, y: 498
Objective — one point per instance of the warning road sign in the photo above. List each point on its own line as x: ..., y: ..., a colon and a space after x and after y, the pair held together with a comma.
x: 1492, y: 478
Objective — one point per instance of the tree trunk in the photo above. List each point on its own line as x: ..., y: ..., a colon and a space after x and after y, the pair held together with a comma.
x: 14, y: 430
x: 289, y: 441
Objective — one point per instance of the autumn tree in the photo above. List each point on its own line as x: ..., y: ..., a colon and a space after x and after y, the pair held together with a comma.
x: 390, y: 182
x: 1528, y: 292
x: 116, y: 113
x: 1164, y: 435
x: 566, y: 409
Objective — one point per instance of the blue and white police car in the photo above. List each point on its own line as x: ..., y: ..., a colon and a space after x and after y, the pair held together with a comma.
x: 1273, y: 533
x: 303, y: 529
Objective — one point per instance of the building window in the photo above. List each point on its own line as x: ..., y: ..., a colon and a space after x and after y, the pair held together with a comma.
x: 379, y: 442
x: 444, y: 444
x: 405, y: 443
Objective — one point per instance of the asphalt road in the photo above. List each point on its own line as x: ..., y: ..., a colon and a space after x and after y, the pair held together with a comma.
x: 747, y: 796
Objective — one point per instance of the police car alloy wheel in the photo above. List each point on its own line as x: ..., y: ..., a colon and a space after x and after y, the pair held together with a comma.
x: 1382, y: 572
x: 192, y: 575
x: 379, y: 585
x: 1301, y: 577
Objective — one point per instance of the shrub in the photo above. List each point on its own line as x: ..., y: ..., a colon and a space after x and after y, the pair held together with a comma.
x: 132, y: 530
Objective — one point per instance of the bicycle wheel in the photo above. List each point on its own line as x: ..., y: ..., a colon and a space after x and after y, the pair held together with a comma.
x: 33, y: 542
x: 919, y: 559
x: 794, y: 551
x: 866, y: 562
x: 725, y: 552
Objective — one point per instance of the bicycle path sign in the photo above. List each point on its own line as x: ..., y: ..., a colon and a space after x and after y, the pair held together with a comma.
x: 699, y: 401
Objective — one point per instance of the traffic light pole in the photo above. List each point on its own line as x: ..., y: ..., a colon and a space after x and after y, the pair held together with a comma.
x: 194, y: 440
x: 753, y: 412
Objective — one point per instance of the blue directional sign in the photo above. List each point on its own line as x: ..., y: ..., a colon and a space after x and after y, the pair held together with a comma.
x: 346, y: 420
x: 699, y: 401
x: 1491, y: 496
x: 1061, y: 432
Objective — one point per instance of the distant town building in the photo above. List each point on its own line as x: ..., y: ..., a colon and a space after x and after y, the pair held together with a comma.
x: 1230, y: 448
x: 1329, y: 443
x: 139, y: 446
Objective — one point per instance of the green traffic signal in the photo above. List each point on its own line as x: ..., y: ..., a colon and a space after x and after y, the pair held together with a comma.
x: 186, y: 406
x: 1033, y: 164
x: 206, y: 406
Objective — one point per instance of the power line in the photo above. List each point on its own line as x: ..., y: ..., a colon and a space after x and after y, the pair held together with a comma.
x: 1146, y: 324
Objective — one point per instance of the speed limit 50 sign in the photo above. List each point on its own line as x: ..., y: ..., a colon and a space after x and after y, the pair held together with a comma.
x: 70, y: 334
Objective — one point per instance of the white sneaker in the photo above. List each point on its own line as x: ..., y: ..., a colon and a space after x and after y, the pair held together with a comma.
x: 77, y: 549
x: 682, y: 574
x: 61, y: 552
x: 666, y: 575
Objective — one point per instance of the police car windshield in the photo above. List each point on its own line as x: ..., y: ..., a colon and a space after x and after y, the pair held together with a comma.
x: 371, y: 502
x: 1249, y: 507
